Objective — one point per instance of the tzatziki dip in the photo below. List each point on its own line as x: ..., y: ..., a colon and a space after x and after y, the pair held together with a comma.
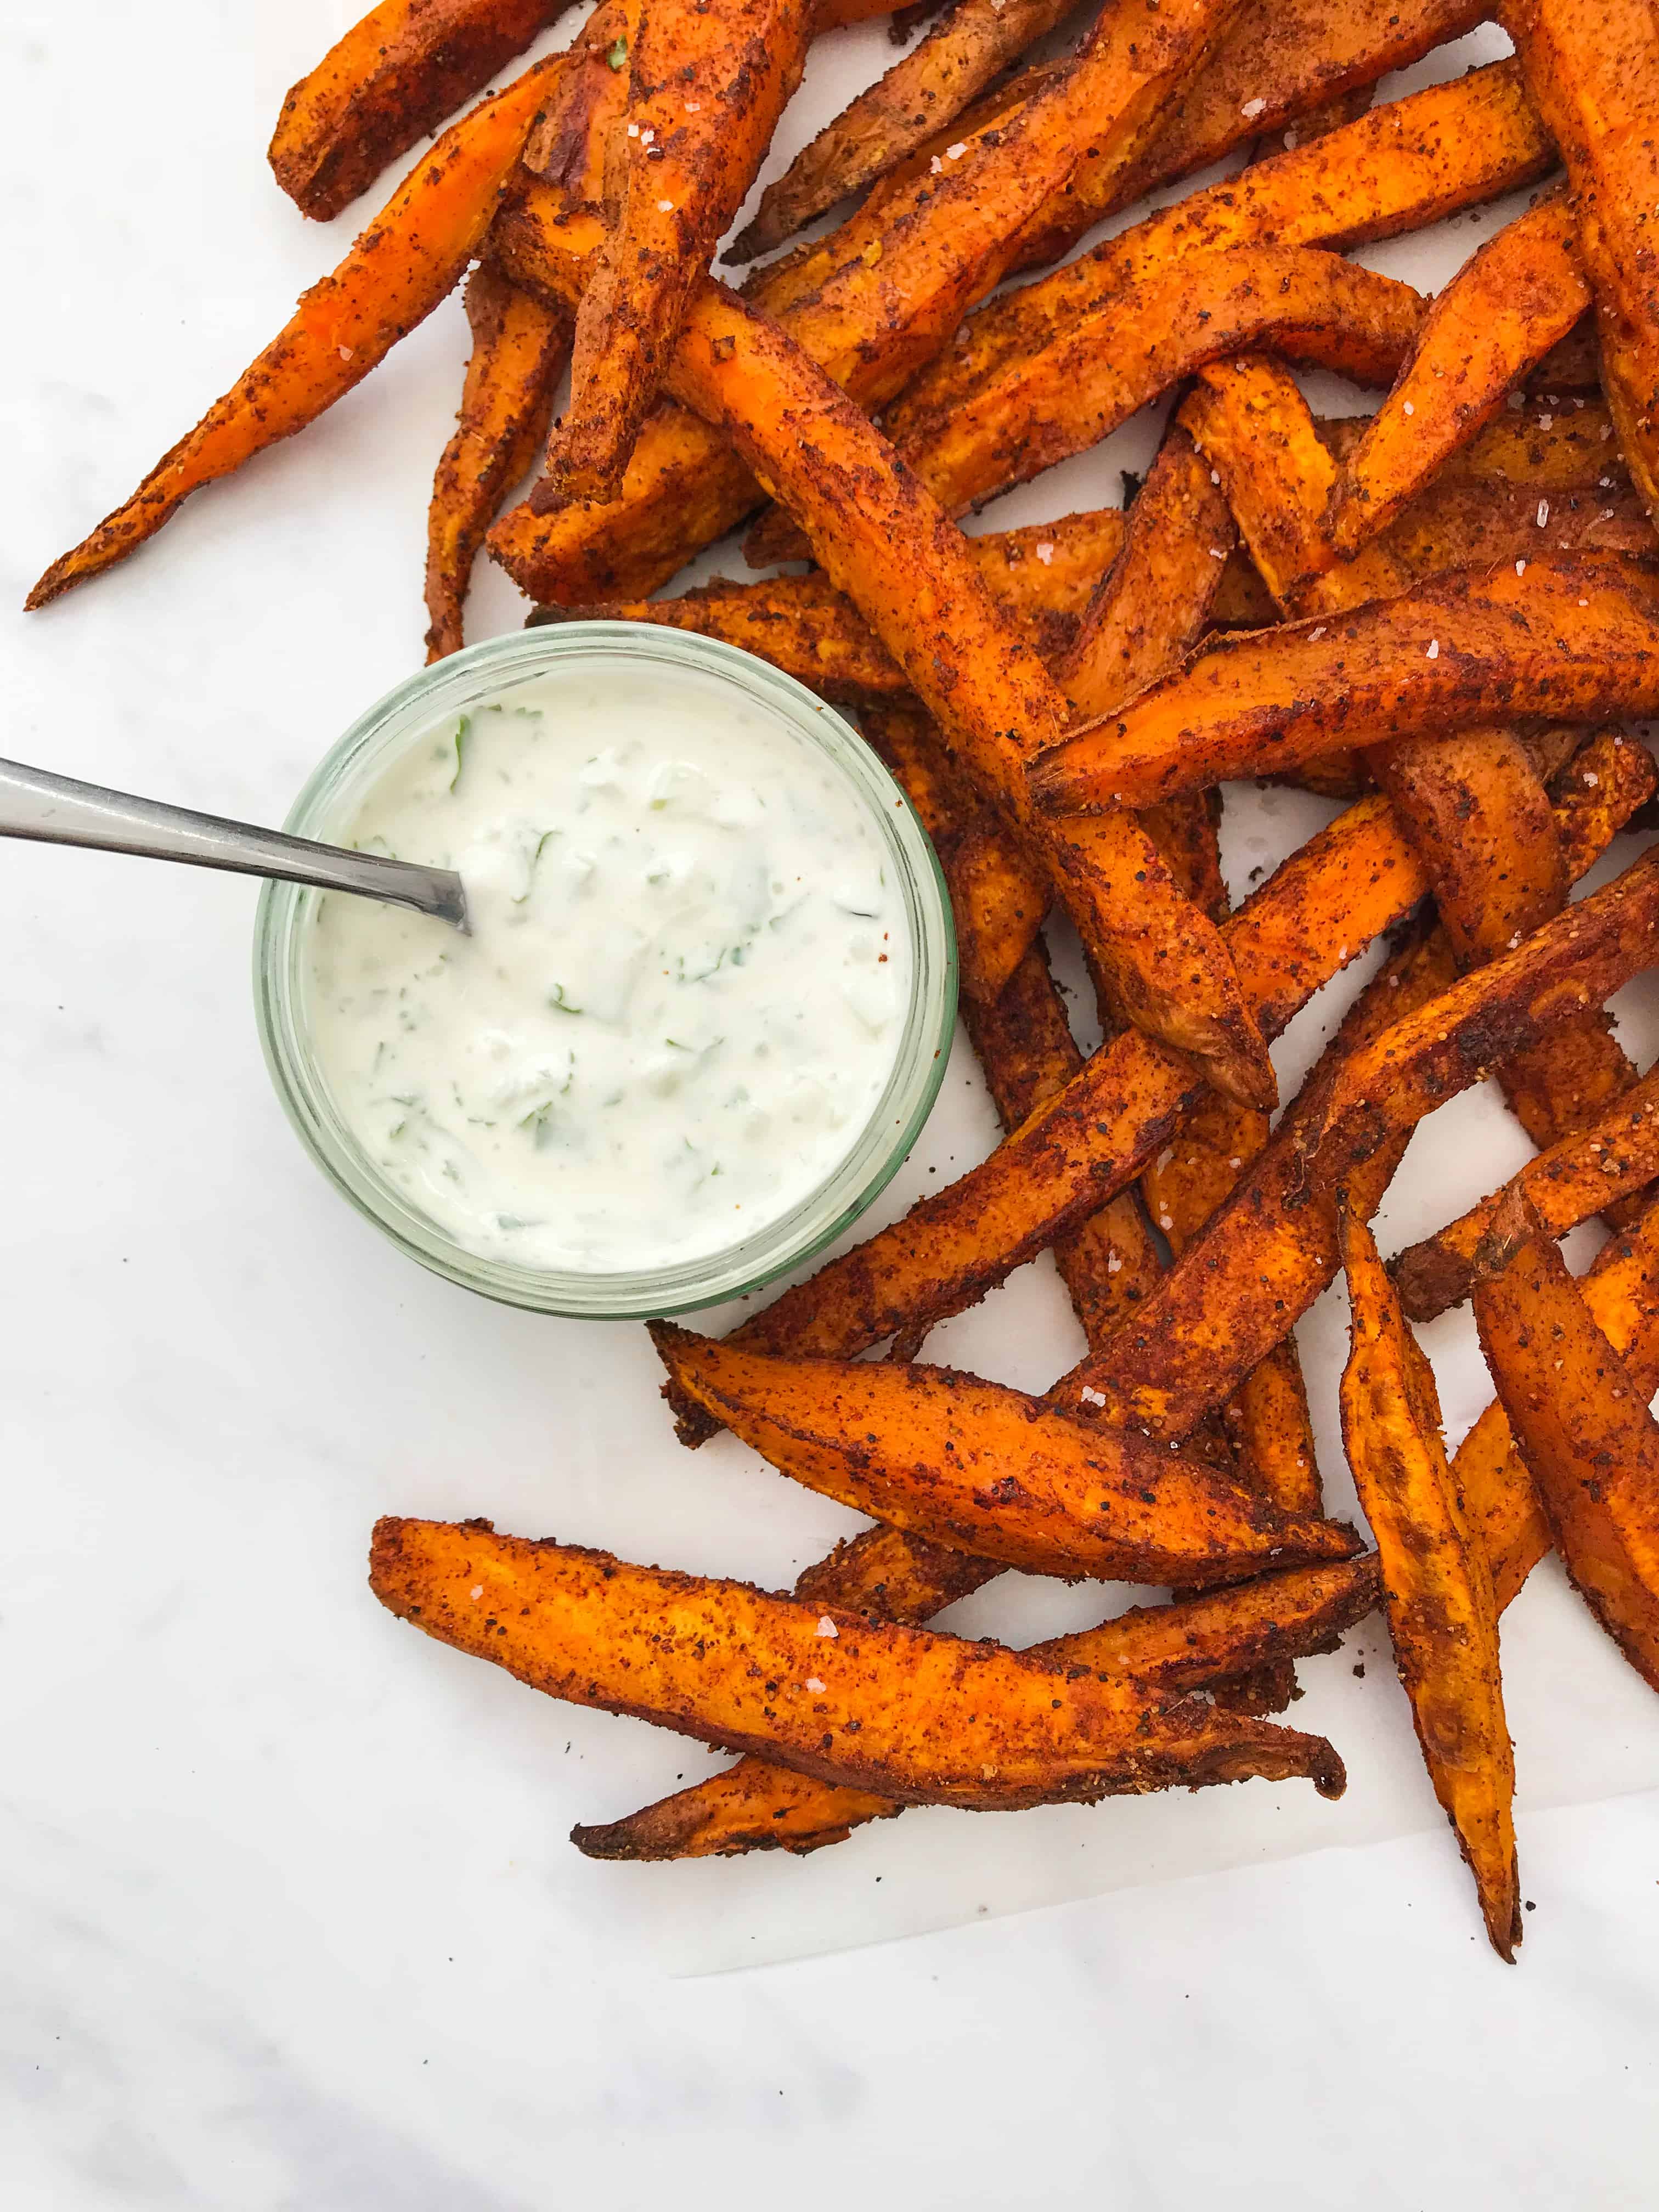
x: 683, y: 994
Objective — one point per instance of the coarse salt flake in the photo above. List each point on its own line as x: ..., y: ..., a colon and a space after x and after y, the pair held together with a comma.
x: 1408, y: 407
x: 345, y: 352
x: 665, y: 207
x: 1216, y: 553
x: 1045, y: 551
x: 646, y: 135
x: 1434, y: 648
x: 937, y: 165
x: 693, y: 107
x: 1112, y: 1263
x: 1252, y: 109
x: 1590, y: 776
x: 826, y: 1627
x: 1314, y: 635
x: 955, y: 153
x: 1520, y: 567
x: 1543, y: 513
x: 476, y: 1592
x: 815, y: 1686
x: 633, y: 129
x: 1091, y: 1397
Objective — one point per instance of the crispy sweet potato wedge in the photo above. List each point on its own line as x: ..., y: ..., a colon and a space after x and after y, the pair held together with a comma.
x: 710, y: 79
x: 1498, y: 318
x: 1200, y: 1643
x: 393, y: 77
x: 990, y: 1469
x: 969, y: 45
x: 1572, y: 639
x: 1310, y: 306
x: 1592, y: 66
x: 1405, y: 165
x: 399, y: 269
x: 911, y: 1715
x: 575, y: 144
x: 1619, y: 1290
x: 1613, y: 1156
x: 1436, y: 1585
x: 883, y: 542
x: 1583, y: 1426
x: 1263, y: 1259
x: 519, y: 348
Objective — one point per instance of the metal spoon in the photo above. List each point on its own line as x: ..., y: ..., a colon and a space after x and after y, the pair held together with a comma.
x: 56, y: 810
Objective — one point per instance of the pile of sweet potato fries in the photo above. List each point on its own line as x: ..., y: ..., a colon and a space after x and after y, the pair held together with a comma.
x: 1441, y: 613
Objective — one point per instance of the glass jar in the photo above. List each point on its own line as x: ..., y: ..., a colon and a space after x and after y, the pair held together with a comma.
x: 329, y: 804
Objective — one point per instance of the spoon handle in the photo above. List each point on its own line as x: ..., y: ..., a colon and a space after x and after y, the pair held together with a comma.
x: 56, y: 810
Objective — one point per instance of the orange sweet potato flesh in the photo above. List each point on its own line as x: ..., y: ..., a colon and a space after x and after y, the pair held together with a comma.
x: 709, y: 81
x: 1572, y: 639
x: 1266, y: 1255
x: 1615, y: 1154
x: 519, y: 348
x: 1621, y: 1291
x: 964, y: 50
x: 1581, y: 1422
x: 902, y: 1712
x: 399, y: 269
x: 991, y: 1469
x: 1498, y: 318
x: 393, y: 78
x: 1436, y: 1583
x: 1203, y: 1641
x: 1592, y: 66
x: 1403, y: 166
x: 882, y: 541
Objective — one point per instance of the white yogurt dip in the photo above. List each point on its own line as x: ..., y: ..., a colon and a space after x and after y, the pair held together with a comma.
x: 683, y: 993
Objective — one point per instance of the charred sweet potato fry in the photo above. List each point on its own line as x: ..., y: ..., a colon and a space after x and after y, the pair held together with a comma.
x: 1436, y: 1585
x: 1405, y: 165
x: 575, y: 144
x: 709, y: 81
x: 969, y: 45
x: 990, y: 1469
x: 1498, y: 317
x: 399, y: 269
x: 1572, y: 639
x: 1614, y: 1155
x: 1619, y: 1290
x: 1592, y: 66
x: 519, y: 348
x: 882, y: 541
x: 1200, y: 1643
x: 392, y: 79
x: 1583, y: 1428
x: 910, y: 1715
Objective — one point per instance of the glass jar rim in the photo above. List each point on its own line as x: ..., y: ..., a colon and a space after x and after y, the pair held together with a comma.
x: 402, y: 717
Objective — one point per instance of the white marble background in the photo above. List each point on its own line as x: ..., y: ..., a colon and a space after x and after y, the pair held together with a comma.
x: 289, y: 1919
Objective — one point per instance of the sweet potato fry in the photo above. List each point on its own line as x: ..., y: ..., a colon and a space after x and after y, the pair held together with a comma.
x: 1615, y: 1154
x: 1436, y: 1585
x: 710, y: 78
x: 914, y: 1716
x: 1592, y: 66
x: 399, y: 269
x: 969, y: 45
x: 990, y: 1469
x: 1263, y: 1259
x: 1619, y: 1290
x: 1405, y: 165
x: 1090, y: 379
x: 1498, y: 316
x: 519, y: 348
x: 883, y: 542
x: 392, y: 79
x: 1043, y: 575
x: 1572, y: 639
x: 1203, y: 1641
x: 1583, y: 1428
x: 575, y: 144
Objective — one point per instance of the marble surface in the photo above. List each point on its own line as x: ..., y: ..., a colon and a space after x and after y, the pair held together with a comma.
x: 289, y: 1919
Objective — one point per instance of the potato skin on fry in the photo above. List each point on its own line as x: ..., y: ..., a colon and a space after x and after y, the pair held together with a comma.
x: 404, y: 262
x: 1581, y: 1424
x: 519, y: 348
x: 1436, y: 1585
x: 1576, y: 638
x: 976, y: 1464
x: 910, y: 1715
x: 1202, y: 1642
x: 393, y: 77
